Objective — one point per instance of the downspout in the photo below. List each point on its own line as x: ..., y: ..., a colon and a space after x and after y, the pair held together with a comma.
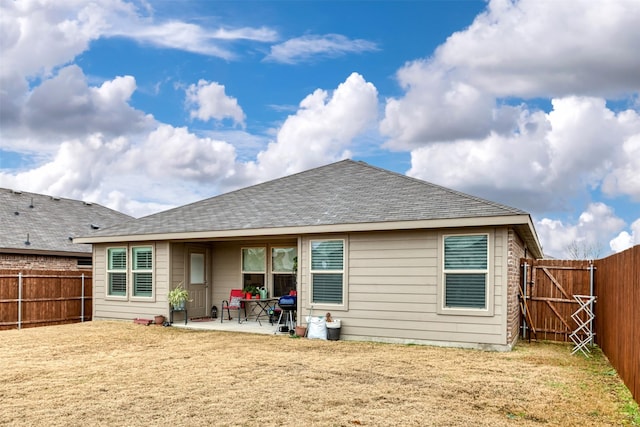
x: 524, y: 300
x: 299, y: 283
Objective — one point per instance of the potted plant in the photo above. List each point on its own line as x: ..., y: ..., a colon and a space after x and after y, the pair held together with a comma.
x: 249, y: 291
x: 178, y: 297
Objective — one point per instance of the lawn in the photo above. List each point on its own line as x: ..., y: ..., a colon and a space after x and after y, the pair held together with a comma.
x: 116, y: 373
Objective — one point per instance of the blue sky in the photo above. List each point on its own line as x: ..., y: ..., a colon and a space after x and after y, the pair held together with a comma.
x: 143, y: 106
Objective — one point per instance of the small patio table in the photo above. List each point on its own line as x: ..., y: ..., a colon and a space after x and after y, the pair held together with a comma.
x: 174, y: 310
x: 259, y: 307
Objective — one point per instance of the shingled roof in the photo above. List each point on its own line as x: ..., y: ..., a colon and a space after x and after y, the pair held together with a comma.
x: 342, y: 196
x: 40, y: 224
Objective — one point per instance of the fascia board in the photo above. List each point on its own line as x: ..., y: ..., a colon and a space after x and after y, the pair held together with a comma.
x: 44, y: 252
x: 316, y: 229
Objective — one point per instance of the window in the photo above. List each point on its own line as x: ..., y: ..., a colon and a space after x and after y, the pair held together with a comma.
x: 130, y: 276
x: 142, y: 270
x: 283, y: 261
x: 465, y: 271
x: 327, y: 271
x: 196, y: 270
x: 117, y: 272
x: 254, y: 266
x: 85, y: 262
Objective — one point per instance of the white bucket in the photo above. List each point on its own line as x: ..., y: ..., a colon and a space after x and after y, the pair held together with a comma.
x: 334, y: 324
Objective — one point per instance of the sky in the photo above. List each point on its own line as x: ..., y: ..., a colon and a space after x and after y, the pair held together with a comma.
x: 142, y: 106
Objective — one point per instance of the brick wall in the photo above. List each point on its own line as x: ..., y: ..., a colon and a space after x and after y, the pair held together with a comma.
x: 39, y: 262
x: 516, y: 251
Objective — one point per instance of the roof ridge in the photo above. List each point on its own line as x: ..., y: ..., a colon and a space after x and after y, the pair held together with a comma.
x: 58, y: 198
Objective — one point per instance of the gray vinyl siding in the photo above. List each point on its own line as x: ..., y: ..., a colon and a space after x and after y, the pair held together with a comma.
x: 104, y: 308
x: 227, y: 270
x: 393, y: 280
x: 178, y: 263
x: 393, y: 285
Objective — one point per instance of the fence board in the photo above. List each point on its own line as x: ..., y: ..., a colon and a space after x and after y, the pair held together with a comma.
x: 48, y: 298
x: 618, y: 314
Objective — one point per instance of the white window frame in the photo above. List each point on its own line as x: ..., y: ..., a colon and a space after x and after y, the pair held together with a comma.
x: 263, y: 272
x: 135, y: 297
x: 343, y: 271
x: 271, y: 285
x: 129, y: 272
x: 110, y: 271
x: 488, y: 310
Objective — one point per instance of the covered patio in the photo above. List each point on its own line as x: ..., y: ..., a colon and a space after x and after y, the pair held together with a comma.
x: 250, y: 326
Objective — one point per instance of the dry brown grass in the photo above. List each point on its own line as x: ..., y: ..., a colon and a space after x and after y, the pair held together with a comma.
x: 115, y: 373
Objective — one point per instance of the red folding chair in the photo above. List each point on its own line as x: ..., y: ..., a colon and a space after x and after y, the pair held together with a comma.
x: 233, y: 303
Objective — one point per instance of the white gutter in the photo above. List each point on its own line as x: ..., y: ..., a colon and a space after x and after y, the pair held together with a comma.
x: 312, y: 229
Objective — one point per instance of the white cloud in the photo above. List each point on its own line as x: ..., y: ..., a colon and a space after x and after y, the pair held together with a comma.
x: 523, y: 49
x: 593, y: 228
x: 587, y: 140
x: 76, y: 170
x: 321, y: 131
x: 532, y: 48
x: 548, y: 160
x: 157, y: 170
x: 65, y: 106
x: 168, y: 166
x: 191, y: 37
x: 40, y: 35
x: 181, y: 155
x: 434, y: 108
x: 211, y: 102
x: 305, y: 48
x: 94, y: 146
x: 625, y: 178
x: 625, y: 240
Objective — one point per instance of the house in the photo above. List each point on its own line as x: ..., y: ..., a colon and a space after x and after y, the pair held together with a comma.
x: 395, y: 258
x: 37, y: 231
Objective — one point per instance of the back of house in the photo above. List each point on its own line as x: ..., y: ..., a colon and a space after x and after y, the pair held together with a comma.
x: 395, y: 258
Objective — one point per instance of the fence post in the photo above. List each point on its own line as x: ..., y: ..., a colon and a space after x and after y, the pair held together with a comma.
x: 591, y: 268
x: 82, y: 301
x: 20, y: 300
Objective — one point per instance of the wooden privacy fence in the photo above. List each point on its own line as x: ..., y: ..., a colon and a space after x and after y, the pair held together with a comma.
x: 618, y: 314
x: 39, y: 298
x: 547, y: 303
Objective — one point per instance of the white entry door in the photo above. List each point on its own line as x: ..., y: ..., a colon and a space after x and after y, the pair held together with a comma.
x: 198, y: 288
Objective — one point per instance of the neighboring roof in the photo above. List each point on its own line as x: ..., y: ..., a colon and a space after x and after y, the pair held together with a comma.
x: 47, y: 223
x: 342, y: 196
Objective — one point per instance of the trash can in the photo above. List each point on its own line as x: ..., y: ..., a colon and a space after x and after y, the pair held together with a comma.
x: 333, y: 330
